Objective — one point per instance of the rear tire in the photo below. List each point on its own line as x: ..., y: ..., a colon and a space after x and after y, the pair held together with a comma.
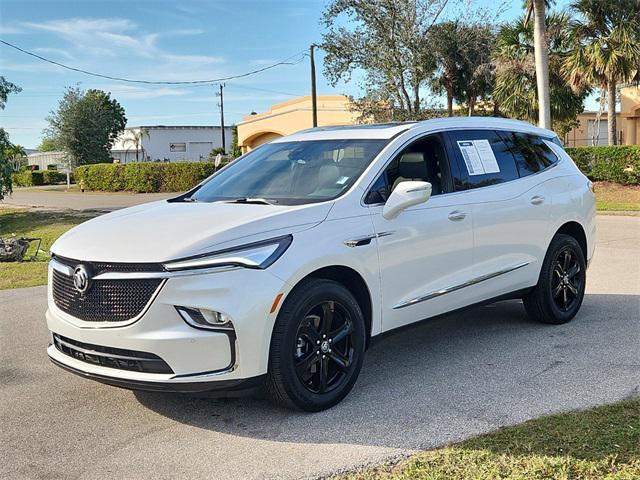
x: 558, y: 295
x: 317, y: 346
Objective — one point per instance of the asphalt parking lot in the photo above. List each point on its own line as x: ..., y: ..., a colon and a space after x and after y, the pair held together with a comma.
x: 434, y: 383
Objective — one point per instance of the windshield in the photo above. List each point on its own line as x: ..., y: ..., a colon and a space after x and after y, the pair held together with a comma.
x: 292, y: 173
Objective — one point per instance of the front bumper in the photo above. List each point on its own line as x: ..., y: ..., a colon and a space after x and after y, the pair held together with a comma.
x: 239, y: 386
x: 201, y: 360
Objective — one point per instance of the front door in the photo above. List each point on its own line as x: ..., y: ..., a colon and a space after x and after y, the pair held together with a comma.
x: 426, y: 251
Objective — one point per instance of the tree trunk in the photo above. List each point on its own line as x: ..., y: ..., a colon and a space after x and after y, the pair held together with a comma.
x: 542, y: 64
x: 472, y: 106
x: 449, y: 103
x: 611, y: 112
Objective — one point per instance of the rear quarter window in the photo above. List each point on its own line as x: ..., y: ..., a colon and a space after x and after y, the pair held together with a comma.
x: 531, y: 153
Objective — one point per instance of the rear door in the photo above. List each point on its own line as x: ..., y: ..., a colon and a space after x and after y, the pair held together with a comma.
x: 510, y: 210
x: 426, y: 251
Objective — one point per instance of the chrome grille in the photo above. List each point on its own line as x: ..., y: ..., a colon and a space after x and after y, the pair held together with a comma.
x: 104, y: 267
x: 105, y: 300
x: 111, y: 357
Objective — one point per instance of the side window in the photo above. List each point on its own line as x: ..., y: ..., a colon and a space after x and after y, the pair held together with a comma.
x: 483, y: 157
x: 532, y: 154
x: 424, y: 160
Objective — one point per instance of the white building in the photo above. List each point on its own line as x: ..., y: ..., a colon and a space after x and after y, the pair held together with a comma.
x: 44, y: 159
x: 169, y: 143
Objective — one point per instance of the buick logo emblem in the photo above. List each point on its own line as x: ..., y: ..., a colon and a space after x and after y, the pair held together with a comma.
x: 81, y: 278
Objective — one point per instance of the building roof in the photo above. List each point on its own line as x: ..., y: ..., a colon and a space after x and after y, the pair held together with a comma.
x: 389, y: 130
x: 176, y: 127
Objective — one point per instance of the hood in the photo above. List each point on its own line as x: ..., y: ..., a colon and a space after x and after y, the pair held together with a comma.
x: 161, y: 231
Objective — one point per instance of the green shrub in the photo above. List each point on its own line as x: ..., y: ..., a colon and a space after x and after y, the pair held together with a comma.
x: 53, y: 177
x: 28, y: 178
x: 615, y: 163
x: 143, y: 177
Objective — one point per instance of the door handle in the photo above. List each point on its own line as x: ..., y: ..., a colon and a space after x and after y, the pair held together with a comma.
x: 457, y: 215
x: 537, y: 200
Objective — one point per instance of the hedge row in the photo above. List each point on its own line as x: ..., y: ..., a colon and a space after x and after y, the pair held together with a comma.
x: 615, y: 163
x: 143, y: 177
x: 28, y: 178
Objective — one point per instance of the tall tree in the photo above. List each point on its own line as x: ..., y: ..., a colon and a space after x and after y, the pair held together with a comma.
x: 538, y: 8
x: 515, y: 85
x: 6, y: 88
x: 462, y: 53
x: 607, y: 49
x: 387, y: 40
x: 444, y: 39
x: 49, y: 144
x: 86, y: 124
x: 477, y: 70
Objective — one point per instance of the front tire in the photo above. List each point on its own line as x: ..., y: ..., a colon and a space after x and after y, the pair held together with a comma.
x: 317, y: 346
x: 558, y: 295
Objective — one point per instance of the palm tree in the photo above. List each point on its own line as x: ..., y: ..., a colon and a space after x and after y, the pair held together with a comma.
x: 607, y: 49
x: 515, y: 84
x: 135, y: 138
x: 15, y: 154
x: 538, y: 8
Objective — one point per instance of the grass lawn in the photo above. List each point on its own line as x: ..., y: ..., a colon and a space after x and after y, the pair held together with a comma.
x: 615, y: 197
x: 601, y: 443
x: 47, y: 225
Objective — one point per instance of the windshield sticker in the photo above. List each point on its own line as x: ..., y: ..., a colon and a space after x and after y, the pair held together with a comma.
x: 342, y: 180
x: 478, y: 157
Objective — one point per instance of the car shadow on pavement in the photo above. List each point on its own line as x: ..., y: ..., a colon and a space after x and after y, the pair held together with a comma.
x: 451, y: 377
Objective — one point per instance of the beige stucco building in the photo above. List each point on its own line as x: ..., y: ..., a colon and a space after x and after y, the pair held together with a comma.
x: 292, y: 116
x: 627, y: 122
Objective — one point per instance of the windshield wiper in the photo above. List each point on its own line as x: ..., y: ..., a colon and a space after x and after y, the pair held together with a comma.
x: 188, y: 199
x: 260, y: 201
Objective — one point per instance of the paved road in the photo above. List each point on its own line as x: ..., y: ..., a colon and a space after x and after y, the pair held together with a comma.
x: 57, y: 197
x: 438, y: 382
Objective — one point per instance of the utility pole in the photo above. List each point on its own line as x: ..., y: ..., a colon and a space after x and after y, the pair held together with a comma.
x: 314, y: 100
x: 221, y: 105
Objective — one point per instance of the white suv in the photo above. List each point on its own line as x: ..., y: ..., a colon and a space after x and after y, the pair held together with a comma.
x: 279, y: 269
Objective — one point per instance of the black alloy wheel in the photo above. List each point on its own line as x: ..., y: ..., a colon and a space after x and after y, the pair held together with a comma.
x: 566, y: 281
x: 317, y: 346
x: 324, y: 352
x: 560, y: 290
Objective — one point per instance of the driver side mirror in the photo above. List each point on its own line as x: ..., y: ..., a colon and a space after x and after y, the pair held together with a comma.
x: 405, y: 195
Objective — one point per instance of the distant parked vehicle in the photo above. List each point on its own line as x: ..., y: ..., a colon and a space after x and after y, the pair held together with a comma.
x: 279, y: 269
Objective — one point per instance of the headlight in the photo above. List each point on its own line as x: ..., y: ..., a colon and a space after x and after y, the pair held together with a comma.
x: 254, y: 255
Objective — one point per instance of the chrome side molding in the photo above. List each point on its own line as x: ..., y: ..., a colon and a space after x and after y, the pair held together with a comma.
x: 460, y: 286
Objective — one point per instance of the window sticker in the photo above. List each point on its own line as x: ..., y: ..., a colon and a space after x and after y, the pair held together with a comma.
x: 342, y: 180
x: 478, y: 157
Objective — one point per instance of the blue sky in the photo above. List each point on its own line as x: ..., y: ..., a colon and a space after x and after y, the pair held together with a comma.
x: 173, y: 41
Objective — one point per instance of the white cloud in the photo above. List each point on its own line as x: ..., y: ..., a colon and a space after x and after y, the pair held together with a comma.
x: 120, y: 91
x: 184, y: 32
x: 10, y: 30
x: 120, y: 47
x: 58, y: 52
x: 100, y: 36
x: 32, y: 67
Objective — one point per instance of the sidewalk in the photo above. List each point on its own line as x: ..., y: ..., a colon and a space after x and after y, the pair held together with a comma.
x: 57, y: 197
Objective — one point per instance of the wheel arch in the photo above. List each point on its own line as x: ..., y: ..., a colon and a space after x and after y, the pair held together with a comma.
x: 576, y: 230
x: 353, y: 281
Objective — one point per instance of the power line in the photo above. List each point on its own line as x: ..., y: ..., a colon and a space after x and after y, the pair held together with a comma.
x: 286, y: 61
